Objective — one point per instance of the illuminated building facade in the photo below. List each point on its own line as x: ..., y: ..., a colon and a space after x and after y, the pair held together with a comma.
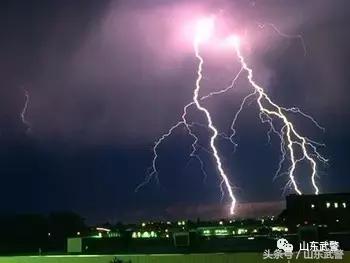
x: 325, y: 210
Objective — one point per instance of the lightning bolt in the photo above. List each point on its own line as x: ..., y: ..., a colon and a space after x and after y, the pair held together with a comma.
x: 24, y: 111
x: 153, y: 172
x: 282, y: 34
x: 290, y: 138
x: 211, y: 126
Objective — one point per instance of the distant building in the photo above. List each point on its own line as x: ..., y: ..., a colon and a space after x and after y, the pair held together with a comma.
x: 330, y: 211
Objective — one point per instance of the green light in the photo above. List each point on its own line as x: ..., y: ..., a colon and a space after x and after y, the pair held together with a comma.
x: 206, y: 232
x: 279, y: 229
x: 241, y: 231
x: 146, y: 235
x: 97, y: 236
x: 221, y: 232
x: 113, y: 234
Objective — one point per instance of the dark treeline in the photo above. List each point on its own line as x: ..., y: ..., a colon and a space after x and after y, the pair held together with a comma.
x: 28, y: 233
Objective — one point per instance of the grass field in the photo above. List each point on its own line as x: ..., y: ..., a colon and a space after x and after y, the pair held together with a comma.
x: 178, y: 258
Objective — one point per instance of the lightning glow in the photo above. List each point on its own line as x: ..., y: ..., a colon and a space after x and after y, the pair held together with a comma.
x: 290, y: 138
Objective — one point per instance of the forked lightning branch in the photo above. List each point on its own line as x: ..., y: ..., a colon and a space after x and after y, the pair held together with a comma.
x: 292, y: 142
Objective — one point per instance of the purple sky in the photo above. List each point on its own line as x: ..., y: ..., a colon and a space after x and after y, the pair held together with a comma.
x: 107, y: 79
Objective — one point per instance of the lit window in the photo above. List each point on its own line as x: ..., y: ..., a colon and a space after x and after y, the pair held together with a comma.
x: 312, y: 206
x: 242, y: 231
x: 221, y: 232
x: 181, y: 223
x: 344, y: 205
x: 328, y: 205
x: 206, y: 232
x: 335, y: 205
x: 145, y: 235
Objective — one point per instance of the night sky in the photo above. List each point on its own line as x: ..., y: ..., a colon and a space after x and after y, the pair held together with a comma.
x: 107, y: 78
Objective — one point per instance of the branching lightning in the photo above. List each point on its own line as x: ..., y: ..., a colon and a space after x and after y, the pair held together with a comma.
x: 290, y: 138
x: 204, y: 28
x: 291, y: 141
x: 282, y: 34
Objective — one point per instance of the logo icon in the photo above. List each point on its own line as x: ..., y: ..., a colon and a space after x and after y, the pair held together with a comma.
x: 284, y: 245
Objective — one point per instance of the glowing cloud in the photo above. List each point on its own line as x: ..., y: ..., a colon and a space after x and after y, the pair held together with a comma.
x: 204, y: 29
